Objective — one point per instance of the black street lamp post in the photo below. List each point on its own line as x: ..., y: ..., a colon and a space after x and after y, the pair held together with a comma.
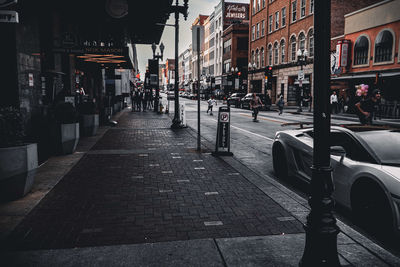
x: 321, y: 228
x: 157, y: 57
x: 302, y: 60
x: 177, y: 9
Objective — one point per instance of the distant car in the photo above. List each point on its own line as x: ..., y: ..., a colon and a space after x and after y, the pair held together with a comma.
x: 245, y: 101
x: 170, y: 95
x: 366, y: 169
x: 234, y: 99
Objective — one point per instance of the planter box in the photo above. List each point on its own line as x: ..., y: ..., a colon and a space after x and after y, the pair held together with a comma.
x: 17, y: 170
x: 89, y: 124
x: 69, y: 137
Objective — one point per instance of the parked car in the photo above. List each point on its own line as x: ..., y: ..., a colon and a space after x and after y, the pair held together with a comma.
x: 245, y: 101
x: 366, y: 169
x: 234, y: 99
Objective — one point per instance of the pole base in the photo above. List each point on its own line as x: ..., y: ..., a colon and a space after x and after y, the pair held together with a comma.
x: 176, y: 124
x: 320, y: 248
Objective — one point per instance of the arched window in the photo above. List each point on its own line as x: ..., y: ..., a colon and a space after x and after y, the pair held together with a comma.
x: 262, y: 57
x: 257, y: 58
x: 302, y: 41
x: 311, y: 43
x: 253, y: 60
x: 276, y: 53
x: 384, y: 46
x: 293, y: 48
x: 282, y: 51
x: 270, y: 55
x: 361, y: 51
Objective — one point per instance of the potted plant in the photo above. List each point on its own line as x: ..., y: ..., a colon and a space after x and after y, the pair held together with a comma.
x: 67, y: 127
x: 89, y: 121
x: 18, y: 160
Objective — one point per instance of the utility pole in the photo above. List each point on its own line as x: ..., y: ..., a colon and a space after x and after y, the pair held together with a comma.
x: 321, y: 229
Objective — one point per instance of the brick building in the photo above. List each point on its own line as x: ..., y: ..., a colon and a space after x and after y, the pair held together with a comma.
x: 278, y: 29
x: 373, y: 48
x: 235, y: 57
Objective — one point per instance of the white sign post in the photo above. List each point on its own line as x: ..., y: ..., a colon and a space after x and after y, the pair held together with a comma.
x: 183, y: 114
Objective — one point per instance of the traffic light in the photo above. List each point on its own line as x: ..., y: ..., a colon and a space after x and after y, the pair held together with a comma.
x: 268, y: 78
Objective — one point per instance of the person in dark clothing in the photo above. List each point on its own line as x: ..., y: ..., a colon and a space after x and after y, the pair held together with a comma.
x: 365, y: 108
x: 255, y: 104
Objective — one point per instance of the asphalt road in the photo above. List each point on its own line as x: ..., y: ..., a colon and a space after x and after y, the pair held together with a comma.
x: 251, y: 144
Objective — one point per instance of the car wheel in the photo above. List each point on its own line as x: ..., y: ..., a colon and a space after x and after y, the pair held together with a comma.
x: 371, y: 208
x: 279, y: 161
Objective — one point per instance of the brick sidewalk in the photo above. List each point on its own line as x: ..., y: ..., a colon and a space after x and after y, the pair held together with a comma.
x: 143, y: 182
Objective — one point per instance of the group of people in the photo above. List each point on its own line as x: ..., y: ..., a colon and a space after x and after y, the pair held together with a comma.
x: 142, y: 100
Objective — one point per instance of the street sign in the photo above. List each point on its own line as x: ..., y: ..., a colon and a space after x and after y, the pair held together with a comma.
x: 300, y: 75
x: 9, y: 16
x: 223, y: 132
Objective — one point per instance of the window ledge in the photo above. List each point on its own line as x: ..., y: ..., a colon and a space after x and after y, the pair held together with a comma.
x: 383, y: 63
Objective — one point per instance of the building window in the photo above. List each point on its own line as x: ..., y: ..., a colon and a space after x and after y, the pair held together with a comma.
x: 276, y: 53
x: 276, y: 20
x: 252, y: 57
x: 282, y: 51
x: 311, y: 6
x: 258, y: 5
x: 270, y: 24
x: 253, y: 33
x: 361, y: 48
x: 383, y: 47
x: 227, y: 46
x: 303, y: 8
x: 262, y: 28
x: 311, y: 43
x: 293, y: 48
x: 254, y: 7
x: 294, y: 11
x: 262, y: 57
x: 263, y: 3
x: 211, y: 55
x: 270, y: 55
x: 302, y: 42
x: 257, y: 58
x: 258, y: 30
x: 284, y: 17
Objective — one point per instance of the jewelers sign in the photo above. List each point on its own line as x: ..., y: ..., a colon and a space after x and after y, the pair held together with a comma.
x: 236, y: 12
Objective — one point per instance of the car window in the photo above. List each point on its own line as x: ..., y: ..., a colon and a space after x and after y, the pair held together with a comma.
x: 353, y: 149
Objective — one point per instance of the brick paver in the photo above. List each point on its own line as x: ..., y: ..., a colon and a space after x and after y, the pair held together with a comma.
x: 168, y: 193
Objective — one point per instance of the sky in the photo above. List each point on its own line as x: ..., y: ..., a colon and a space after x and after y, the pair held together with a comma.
x: 196, y: 7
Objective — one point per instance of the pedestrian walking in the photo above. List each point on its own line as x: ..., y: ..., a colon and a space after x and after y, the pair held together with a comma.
x: 280, y: 103
x: 334, y: 103
x: 143, y: 100
x: 211, y: 103
x: 138, y: 101
x: 366, y: 108
x: 255, y: 104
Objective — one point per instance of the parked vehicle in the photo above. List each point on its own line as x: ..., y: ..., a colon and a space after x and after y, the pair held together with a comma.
x: 366, y: 169
x: 234, y: 99
x: 245, y: 101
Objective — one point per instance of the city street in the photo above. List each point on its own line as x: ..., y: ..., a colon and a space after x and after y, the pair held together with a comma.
x: 251, y: 144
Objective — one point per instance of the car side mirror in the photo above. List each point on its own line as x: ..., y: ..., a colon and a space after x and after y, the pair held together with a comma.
x: 338, y: 151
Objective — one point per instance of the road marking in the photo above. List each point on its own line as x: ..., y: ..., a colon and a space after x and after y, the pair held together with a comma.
x: 199, y: 168
x: 285, y: 219
x: 211, y: 193
x: 243, y: 130
x: 263, y: 118
x: 197, y: 160
x: 213, y: 223
x: 183, y: 181
x: 166, y: 172
x: 176, y: 157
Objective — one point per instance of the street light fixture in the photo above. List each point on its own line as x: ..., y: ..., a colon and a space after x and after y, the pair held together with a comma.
x: 157, y: 57
x: 302, y: 60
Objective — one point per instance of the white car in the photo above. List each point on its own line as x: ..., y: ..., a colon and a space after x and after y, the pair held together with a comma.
x: 366, y: 169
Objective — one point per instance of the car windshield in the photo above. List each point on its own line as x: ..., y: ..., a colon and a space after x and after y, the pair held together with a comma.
x: 385, y: 144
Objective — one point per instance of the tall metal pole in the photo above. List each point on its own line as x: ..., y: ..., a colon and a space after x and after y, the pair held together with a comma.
x: 176, y: 122
x: 321, y: 229
x: 198, y: 90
